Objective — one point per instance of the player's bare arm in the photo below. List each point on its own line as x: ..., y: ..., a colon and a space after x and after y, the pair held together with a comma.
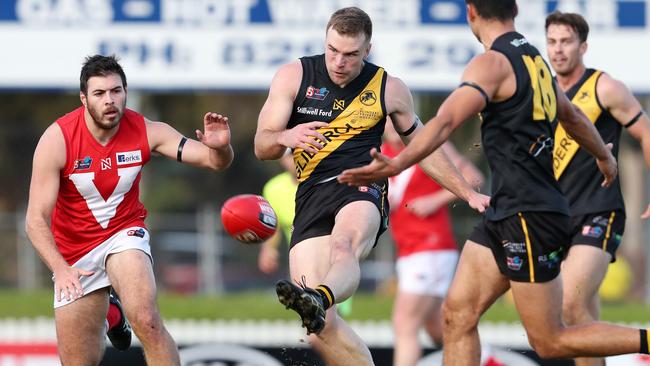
x: 212, y: 150
x: 272, y: 137
x: 626, y: 109
x: 463, y: 103
x: 49, y: 159
x: 400, y: 108
x: 585, y: 134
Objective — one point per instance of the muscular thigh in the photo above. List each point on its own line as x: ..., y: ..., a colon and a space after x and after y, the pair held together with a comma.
x: 357, y: 223
x: 477, y: 282
x: 321, y: 209
x: 80, y: 324
x: 131, y: 273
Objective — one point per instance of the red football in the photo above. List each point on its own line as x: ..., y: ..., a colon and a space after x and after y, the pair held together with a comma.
x: 248, y: 218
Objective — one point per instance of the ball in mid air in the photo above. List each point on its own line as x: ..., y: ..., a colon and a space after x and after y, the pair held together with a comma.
x: 248, y: 218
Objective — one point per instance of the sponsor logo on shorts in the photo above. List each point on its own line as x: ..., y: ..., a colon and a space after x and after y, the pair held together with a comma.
x: 316, y: 93
x: 551, y: 260
x: 592, y: 231
x: 81, y: 164
x: 514, y: 248
x: 599, y: 220
x: 365, y: 189
x: 514, y: 263
x: 139, y: 233
x: 618, y: 238
x: 128, y: 157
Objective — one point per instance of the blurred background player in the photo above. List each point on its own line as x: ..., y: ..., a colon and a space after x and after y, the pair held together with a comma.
x: 427, y: 252
x: 85, y: 182
x: 597, y: 213
x: 336, y: 225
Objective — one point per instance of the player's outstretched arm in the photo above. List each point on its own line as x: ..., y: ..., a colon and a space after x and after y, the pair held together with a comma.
x: 463, y: 103
x: 583, y: 131
x: 626, y: 109
x: 49, y: 159
x: 272, y: 137
x: 212, y: 150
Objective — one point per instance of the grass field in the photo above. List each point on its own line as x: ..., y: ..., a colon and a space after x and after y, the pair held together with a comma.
x: 264, y: 305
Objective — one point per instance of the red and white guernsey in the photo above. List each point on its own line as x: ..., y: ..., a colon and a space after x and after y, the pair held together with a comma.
x: 413, y: 234
x: 99, y: 189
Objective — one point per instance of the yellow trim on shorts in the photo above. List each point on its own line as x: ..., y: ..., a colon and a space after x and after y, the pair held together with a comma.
x: 609, y: 230
x: 529, y: 249
x: 648, y: 338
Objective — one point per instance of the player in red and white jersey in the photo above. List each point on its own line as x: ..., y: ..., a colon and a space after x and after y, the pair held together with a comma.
x: 85, y: 182
x: 427, y: 252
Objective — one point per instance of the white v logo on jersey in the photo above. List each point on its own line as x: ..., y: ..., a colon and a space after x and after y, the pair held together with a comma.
x: 104, y: 210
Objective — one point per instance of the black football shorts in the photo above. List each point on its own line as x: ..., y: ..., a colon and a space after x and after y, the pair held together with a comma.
x: 602, y: 230
x: 317, y: 208
x: 528, y: 246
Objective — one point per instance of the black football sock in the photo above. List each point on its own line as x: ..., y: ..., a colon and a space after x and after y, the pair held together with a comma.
x: 645, y: 343
x: 326, y: 294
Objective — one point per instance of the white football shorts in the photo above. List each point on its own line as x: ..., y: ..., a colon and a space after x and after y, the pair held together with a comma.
x: 427, y: 273
x: 130, y: 238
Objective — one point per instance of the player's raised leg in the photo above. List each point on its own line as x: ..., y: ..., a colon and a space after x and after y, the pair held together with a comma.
x: 333, y: 261
x: 540, y: 308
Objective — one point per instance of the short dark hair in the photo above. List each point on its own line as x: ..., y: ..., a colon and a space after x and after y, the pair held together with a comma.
x: 573, y: 20
x: 99, y: 65
x: 495, y: 9
x: 351, y: 21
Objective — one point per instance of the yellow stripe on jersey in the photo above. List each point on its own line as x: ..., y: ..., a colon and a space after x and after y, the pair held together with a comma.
x: 529, y: 248
x: 609, y: 230
x: 363, y: 113
x: 565, y: 147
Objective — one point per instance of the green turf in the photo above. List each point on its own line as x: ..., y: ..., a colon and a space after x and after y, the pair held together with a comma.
x: 264, y: 305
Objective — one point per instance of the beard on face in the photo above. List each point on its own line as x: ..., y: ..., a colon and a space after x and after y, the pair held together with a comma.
x: 103, y: 122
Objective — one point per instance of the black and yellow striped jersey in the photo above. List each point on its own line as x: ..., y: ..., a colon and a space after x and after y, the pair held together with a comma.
x: 574, y: 167
x: 356, y: 115
x: 517, y: 136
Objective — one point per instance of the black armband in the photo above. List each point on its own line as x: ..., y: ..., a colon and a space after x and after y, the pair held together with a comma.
x: 634, y: 120
x: 477, y: 87
x: 410, y: 130
x: 179, y: 154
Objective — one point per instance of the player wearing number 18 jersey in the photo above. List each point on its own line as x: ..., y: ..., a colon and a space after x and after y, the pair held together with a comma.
x: 521, y: 240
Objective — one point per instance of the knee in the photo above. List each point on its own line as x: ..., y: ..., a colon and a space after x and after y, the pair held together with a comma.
x: 341, y: 248
x: 459, y: 315
x: 550, y: 346
x: 574, y: 310
x: 146, y: 323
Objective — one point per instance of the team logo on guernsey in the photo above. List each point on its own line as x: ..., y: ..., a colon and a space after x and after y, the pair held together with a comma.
x: 339, y: 104
x: 128, y: 157
x: 81, y: 164
x: 368, y: 98
x: 584, y: 96
x: 316, y: 93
